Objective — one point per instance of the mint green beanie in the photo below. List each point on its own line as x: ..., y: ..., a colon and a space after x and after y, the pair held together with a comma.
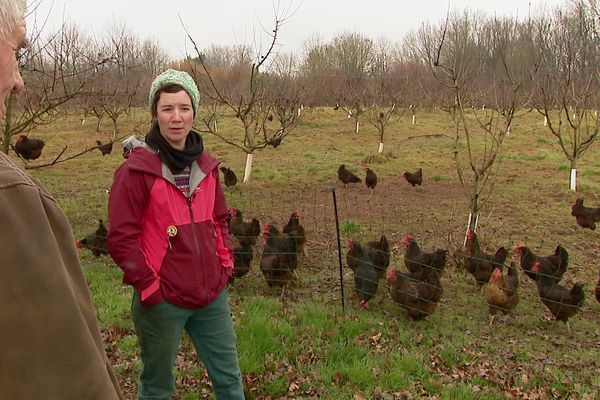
x: 179, y: 78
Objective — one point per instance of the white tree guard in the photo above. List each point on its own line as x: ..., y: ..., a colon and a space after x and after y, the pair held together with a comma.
x: 248, y: 170
x: 573, y: 180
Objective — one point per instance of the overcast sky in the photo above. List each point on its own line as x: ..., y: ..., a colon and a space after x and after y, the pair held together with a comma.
x: 225, y: 22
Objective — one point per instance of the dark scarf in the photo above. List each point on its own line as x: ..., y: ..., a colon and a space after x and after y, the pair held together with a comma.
x: 176, y: 160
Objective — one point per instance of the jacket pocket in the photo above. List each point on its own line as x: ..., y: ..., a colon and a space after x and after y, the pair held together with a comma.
x: 191, y: 272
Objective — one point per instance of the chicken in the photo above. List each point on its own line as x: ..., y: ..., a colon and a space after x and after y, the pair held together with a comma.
x: 366, y: 279
x: 370, y: 178
x: 279, y: 258
x: 296, y: 230
x: 377, y: 251
x: 501, y: 292
x: 29, y: 149
x: 242, y: 257
x: 418, y: 293
x: 105, y: 148
x: 480, y: 264
x: 586, y: 216
x: 415, y: 260
x: 414, y: 178
x: 562, y: 302
x: 96, y: 241
x: 245, y: 232
x: 554, y: 265
x: 129, y: 144
x: 228, y: 176
x: 346, y: 176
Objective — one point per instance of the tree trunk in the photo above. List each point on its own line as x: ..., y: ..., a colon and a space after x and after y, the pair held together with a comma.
x: 115, y: 128
x: 98, y: 125
x: 573, y: 176
x: 248, y: 170
x: 357, y: 126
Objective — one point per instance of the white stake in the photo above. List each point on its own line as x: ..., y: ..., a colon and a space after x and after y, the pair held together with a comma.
x: 249, y: 159
x: 467, y: 231
x: 414, y: 119
x: 545, y: 120
x: 573, y: 180
x: 380, y: 148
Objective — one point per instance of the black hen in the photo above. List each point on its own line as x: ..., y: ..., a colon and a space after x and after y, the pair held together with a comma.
x: 279, y: 258
x: 228, y: 176
x: 553, y: 266
x: 370, y: 178
x: 562, y: 302
x: 105, y: 148
x: 414, y: 178
x: 295, y: 229
x: 377, y: 251
x: 346, y: 176
x: 480, y: 264
x: 242, y: 257
x: 366, y: 276
x: 245, y: 232
x: 415, y: 260
x: 586, y: 216
x: 29, y: 149
x: 95, y: 242
x: 418, y: 293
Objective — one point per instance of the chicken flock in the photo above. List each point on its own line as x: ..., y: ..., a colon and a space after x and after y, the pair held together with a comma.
x: 417, y: 287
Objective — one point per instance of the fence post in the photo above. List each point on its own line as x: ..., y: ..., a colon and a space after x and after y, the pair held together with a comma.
x: 339, y: 244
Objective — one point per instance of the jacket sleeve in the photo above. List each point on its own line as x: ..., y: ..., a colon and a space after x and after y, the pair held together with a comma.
x: 126, y: 206
x: 220, y: 214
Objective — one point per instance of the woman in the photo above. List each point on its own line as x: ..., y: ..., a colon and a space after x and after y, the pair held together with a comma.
x: 168, y: 232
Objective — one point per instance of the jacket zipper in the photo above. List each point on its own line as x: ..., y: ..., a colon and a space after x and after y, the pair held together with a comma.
x: 196, y: 243
x: 189, y: 202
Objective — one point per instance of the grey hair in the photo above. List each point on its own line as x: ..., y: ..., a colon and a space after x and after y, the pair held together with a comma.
x: 11, y: 13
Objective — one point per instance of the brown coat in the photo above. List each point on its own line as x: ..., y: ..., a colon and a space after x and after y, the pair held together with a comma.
x: 50, y: 343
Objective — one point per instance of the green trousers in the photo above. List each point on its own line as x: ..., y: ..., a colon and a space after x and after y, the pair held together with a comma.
x: 159, y: 330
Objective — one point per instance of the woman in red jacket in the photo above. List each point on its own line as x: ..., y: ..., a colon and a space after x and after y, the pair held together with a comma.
x: 168, y: 232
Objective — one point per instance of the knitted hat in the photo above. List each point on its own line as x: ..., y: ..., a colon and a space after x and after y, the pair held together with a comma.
x: 179, y: 78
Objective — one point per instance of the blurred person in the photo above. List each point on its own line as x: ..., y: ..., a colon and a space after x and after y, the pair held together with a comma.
x: 50, y: 343
x: 168, y: 232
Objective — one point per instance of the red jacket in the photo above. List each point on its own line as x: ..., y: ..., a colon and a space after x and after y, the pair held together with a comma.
x: 170, y: 247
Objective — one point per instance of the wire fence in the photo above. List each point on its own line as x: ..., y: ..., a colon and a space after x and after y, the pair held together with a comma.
x: 343, y: 243
x: 354, y: 249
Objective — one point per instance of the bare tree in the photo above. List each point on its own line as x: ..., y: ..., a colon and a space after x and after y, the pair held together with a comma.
x: 568, y: 90
x: 249, y: 101
x: 117, y: 86
x: 386, y: 102
x: 479, y: 60
x: 354, y: 58
x: 55, y: 70
x: 286, y: 95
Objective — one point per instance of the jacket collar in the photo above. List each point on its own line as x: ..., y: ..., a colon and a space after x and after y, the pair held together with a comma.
x: 145, y: 159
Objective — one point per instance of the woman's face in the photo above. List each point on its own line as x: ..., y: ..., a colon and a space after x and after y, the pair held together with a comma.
x: 175, y: 116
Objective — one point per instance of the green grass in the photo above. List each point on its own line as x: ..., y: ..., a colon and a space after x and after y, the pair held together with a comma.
x: 300, y: 344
